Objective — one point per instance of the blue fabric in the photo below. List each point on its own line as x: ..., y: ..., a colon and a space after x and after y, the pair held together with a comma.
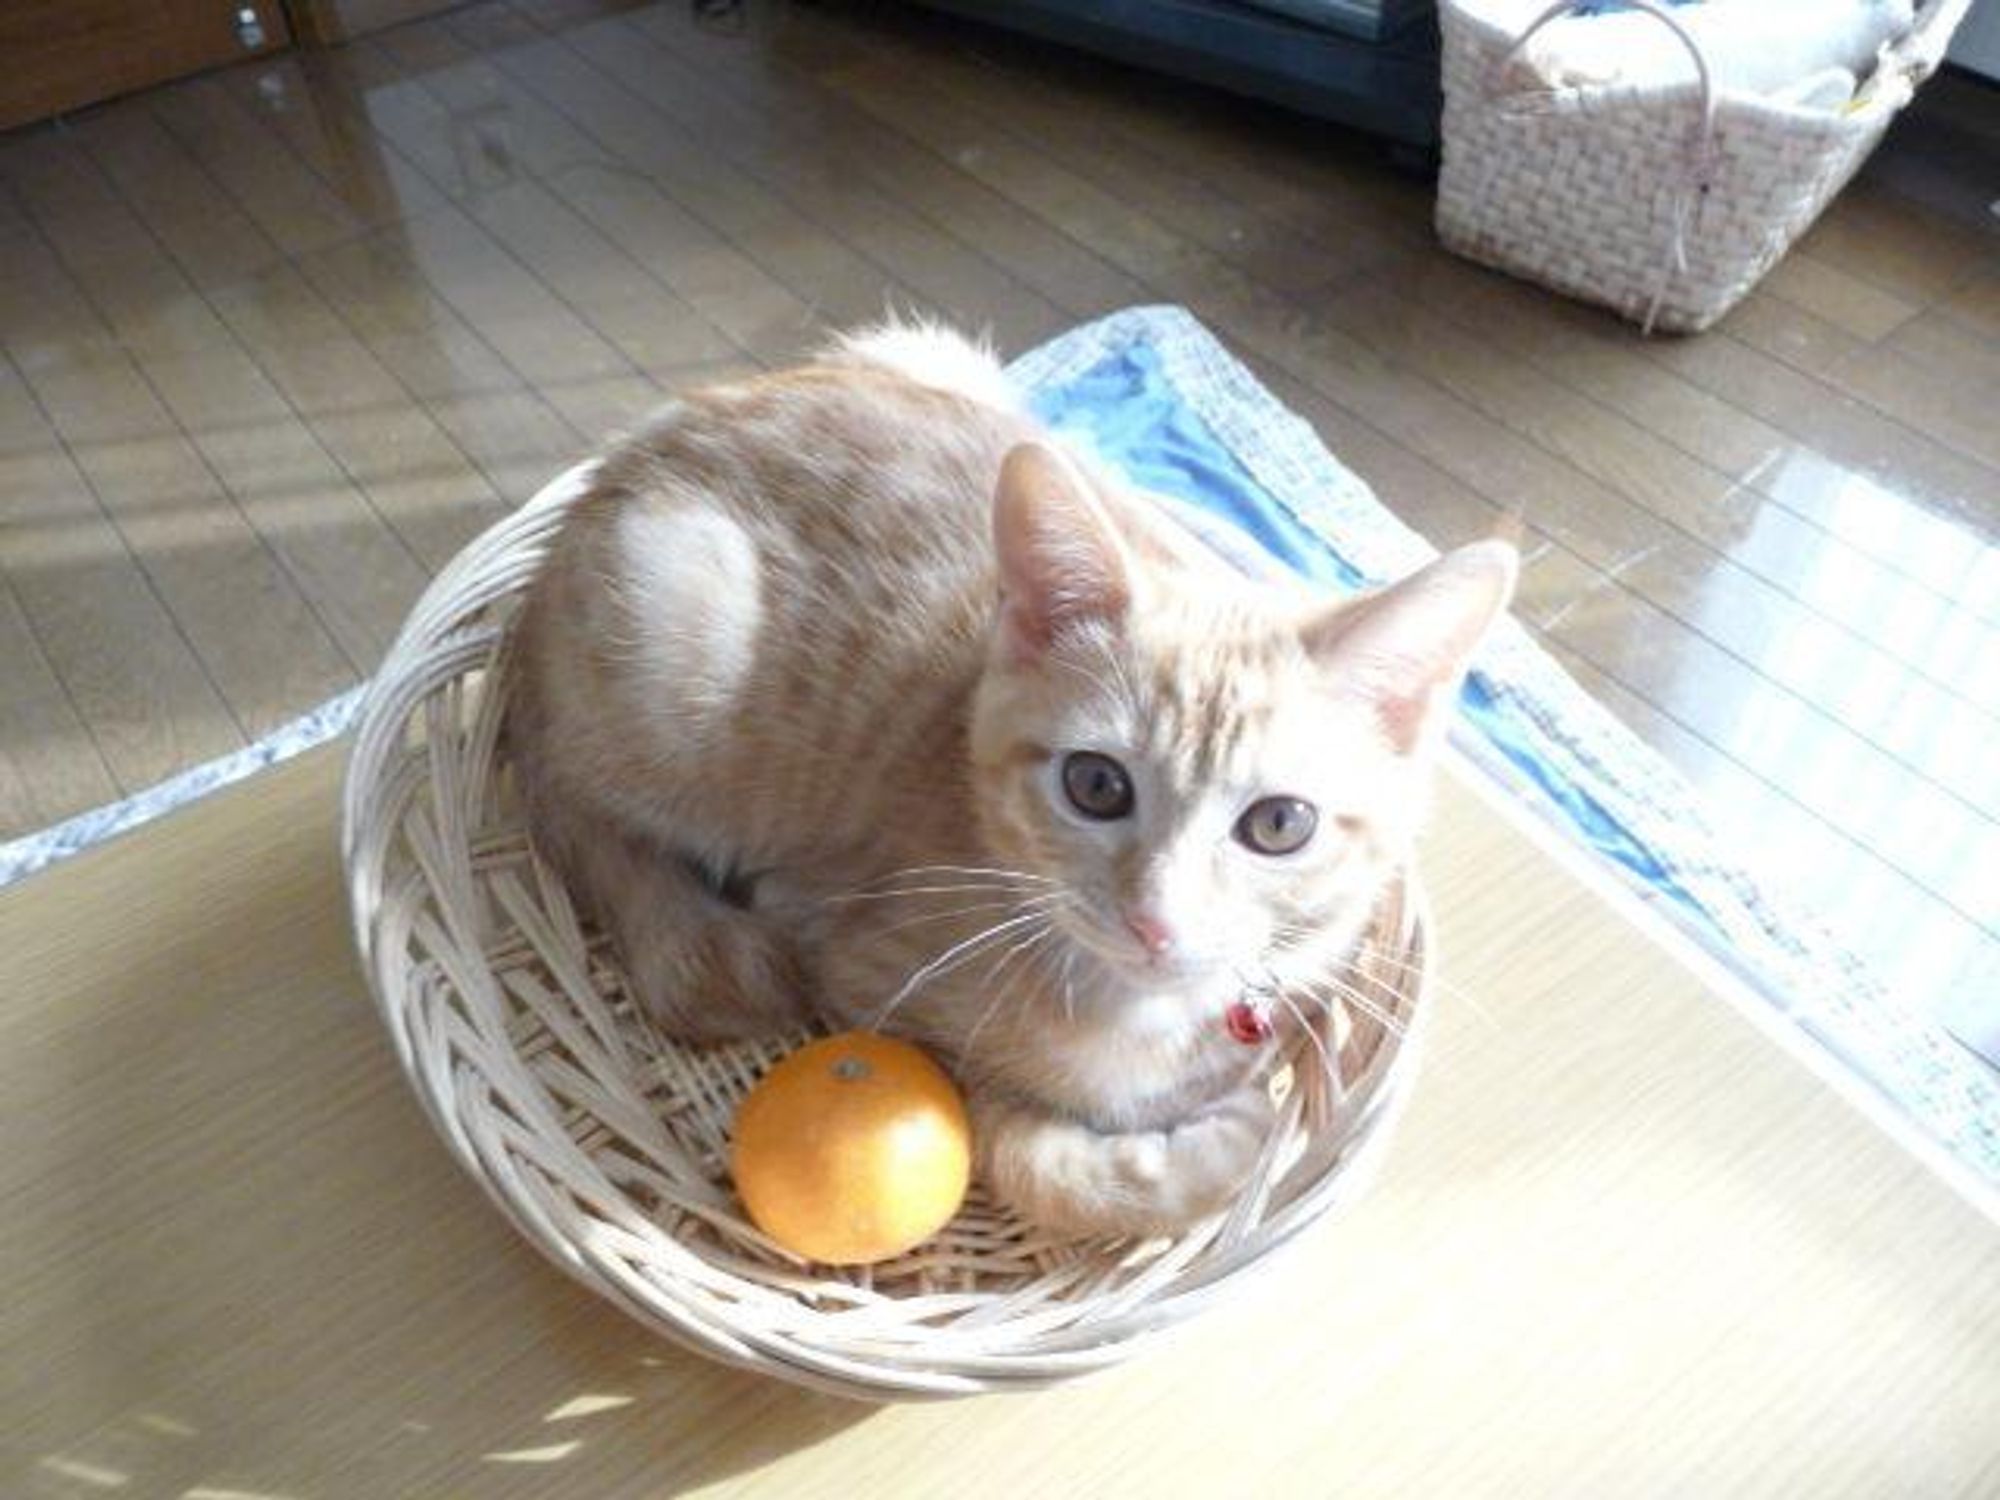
x: 1126, y: 410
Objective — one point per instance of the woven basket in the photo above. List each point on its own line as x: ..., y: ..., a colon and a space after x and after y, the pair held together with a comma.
x: 1666, y: 204
x: 605, y: 1143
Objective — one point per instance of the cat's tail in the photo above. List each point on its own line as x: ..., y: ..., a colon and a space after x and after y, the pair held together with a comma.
x: 933, y: 354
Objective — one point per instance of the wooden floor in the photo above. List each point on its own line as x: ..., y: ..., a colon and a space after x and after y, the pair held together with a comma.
x: 280, y: 338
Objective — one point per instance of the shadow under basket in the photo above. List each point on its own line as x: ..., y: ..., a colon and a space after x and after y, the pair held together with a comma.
x: 606, y: 1143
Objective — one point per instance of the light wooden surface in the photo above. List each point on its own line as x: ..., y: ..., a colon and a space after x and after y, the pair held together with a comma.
x: 280, y: 338
x: 1622, y: 1246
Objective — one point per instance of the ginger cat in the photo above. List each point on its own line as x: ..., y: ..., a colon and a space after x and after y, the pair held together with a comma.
x: 849, y: 691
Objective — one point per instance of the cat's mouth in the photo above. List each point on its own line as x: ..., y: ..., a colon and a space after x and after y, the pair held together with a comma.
x: 1118, y: 951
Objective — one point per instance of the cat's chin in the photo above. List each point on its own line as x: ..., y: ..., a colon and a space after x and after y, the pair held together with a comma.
x: 1118, y: 974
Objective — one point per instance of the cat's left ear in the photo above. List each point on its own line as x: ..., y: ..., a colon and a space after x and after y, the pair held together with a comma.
x: 1406, y: 648
x: 1062, y: 564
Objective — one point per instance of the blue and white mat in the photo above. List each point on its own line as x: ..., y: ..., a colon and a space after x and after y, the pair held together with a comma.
x: 1152, y: 392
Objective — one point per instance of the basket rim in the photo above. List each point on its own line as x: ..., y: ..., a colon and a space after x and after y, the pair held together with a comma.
x: 448, y: 636
x: 1905, y: 61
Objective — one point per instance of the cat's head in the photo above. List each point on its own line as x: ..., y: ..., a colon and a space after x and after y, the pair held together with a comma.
x: 1215, y: 777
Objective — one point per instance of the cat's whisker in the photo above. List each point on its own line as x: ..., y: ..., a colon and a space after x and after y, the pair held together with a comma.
x: 1026, y: 945
x: 971, y: 1037
x: 999, y: 967
x: 989, y: 887
x: 1362, y: 1006
x: 1370, y: 952
x: 1031, y: 903
x: 1303, y: 931
x: 1312, y: 1035
x: 1358, y: 999
x: 1295, y: 937
x: 1346, y: 996
x: 958, y: 953
x: 928, y: 872
x: 1372, y: 955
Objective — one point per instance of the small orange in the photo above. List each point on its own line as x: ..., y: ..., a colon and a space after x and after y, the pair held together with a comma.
x: 853, y: 1149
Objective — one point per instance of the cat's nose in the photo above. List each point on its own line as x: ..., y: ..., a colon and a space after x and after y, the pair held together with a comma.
x: 1154, y: 935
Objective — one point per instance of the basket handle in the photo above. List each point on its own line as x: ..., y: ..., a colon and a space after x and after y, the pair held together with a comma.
x: 1700, y: 169
x: 1562, y: 8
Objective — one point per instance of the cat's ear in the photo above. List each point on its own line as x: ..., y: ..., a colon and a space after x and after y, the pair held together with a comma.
x: 1406, y: 648
x: 1061, y: 561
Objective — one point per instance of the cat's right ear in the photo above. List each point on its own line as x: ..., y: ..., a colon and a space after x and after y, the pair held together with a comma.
x: 1062, y: 564
x: 1406, y: 647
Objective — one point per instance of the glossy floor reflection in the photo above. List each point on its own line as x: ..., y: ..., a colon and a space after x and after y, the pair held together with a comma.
x: 280, y: 338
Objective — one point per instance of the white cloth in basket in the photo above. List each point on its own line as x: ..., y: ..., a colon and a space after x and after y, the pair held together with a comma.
x: 1762, y: 47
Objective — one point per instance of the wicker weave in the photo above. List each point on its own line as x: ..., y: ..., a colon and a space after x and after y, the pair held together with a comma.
x: 1666, y: 204
x: 605, y: 1142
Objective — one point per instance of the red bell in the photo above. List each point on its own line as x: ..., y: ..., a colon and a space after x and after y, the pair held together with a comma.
x: 1246, y: 1025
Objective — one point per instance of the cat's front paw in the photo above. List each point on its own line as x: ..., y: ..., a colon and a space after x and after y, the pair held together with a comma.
x: 1062, y: 1175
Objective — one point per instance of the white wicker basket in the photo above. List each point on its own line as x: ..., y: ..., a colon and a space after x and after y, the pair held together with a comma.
x: 605, y: 1143
x: 1666, y: 204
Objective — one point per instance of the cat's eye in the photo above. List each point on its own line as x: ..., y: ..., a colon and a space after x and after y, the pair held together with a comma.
x: 1096, y: 785
x: 1277, y: 825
